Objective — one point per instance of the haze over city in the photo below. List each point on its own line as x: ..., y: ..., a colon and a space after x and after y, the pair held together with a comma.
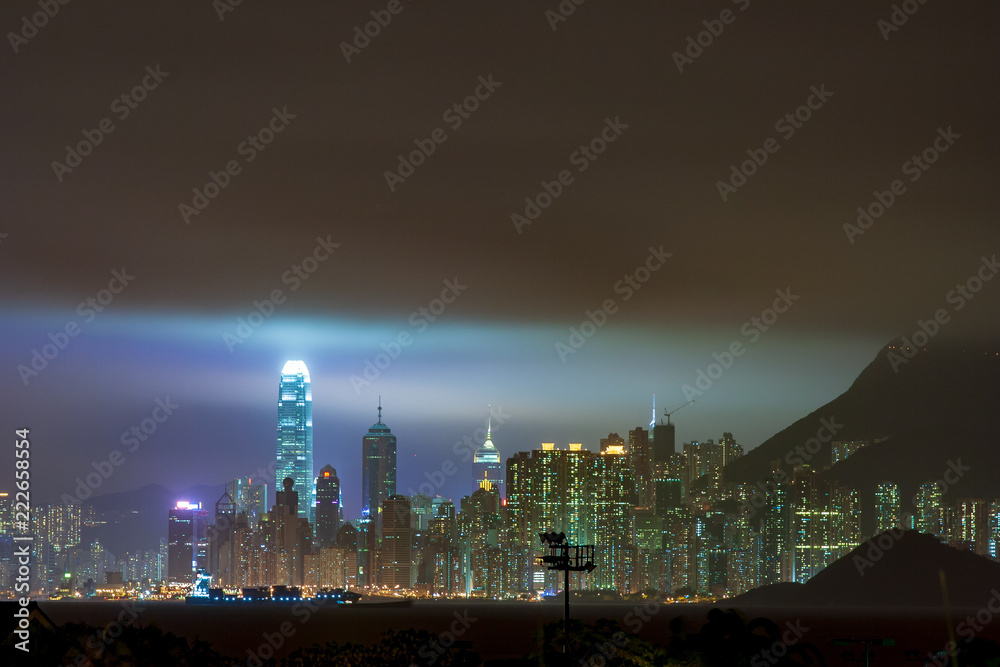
x: 528, y: 216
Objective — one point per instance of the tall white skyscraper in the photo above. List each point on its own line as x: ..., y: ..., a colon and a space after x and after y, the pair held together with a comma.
x: 295, y: 436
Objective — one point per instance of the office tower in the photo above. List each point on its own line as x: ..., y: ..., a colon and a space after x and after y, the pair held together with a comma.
x: 972, y: 526
x: 328, y: 567
x: 846, y: 529
x: 250, y: 498
x: 886, y: 507
x: 327, y: 507
x: 295, y: 434
x: 609, y: 506
x: 824, y: 522
x: 546, y: 491
x: 648, y: 558
x: 811, y: 523
x: 776, y: 566
x: 663, y: 437
x: 479, y: 528
x: 679, y: 544
x: 222, y: 551
x: 588, y: 496
x: 486, y: 466
x: 928, y: 516
x: 440, y: 569
x: 347, y: 539
x: 730, y: 451
x: 641, y: 456
x: 397, y: 542
x: 994, y: 530
x: 6, y: 513
x: 667, y: 490
x: 59, y: 525
x: 423, y: 512
x: 181, y: 544
x: 743, y: 564
x: 378, y: 470
x: 537, y: 496
x: 289, y: 536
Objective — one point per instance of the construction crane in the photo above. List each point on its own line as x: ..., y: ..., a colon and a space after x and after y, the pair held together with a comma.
x: 667, y: 414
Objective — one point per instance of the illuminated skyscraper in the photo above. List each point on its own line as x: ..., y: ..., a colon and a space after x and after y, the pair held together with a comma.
x: 327, y: 507
x: 776, y: 544
x: 609, y: 504
x: 641, y: 455
x: 249, y: 497
x: 378, y: 469
x: 378, y: 482
x: 486, y: 463
x: 886, y: 507
x: 994, y: 530
x: 181, y: 543
x: 397, y: 542
x: 928, y: 517
x: 295, y: 434
x: 972, y: 526
x: 588, y: 496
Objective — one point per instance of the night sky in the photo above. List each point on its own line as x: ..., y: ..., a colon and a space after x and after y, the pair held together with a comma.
x: 591, y: 109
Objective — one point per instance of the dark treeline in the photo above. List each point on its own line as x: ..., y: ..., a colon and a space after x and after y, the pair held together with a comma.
x: 726, y: 639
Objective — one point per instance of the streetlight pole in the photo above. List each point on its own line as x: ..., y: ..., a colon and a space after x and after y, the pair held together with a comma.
x: 581, y: 559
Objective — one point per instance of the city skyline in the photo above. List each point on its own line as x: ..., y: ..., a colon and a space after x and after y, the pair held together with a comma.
x: 711, y: 290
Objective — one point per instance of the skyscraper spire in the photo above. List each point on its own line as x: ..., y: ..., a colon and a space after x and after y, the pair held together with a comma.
x: 380, y: 408
x: 652, y: 422
x: 486, y: 460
